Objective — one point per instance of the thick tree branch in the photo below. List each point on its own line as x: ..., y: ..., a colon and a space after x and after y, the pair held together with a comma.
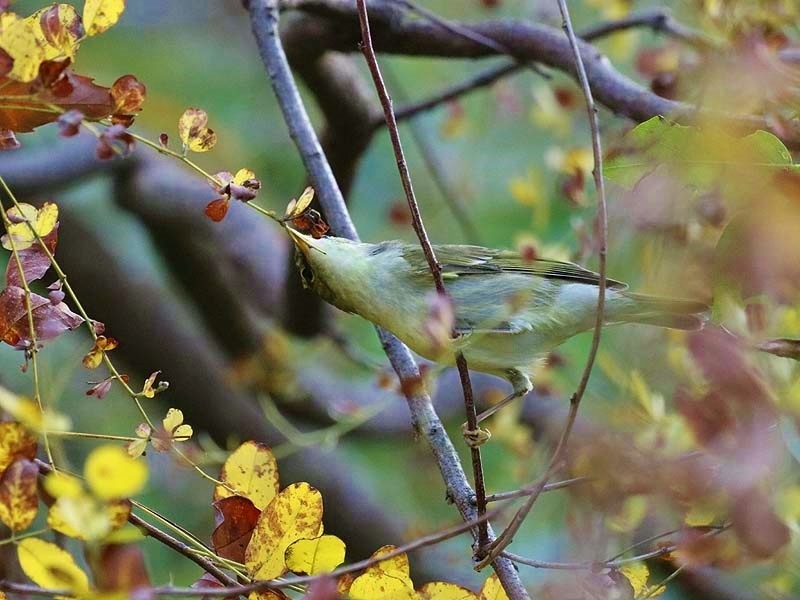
x: 264, y: 18
x: 333, y: 25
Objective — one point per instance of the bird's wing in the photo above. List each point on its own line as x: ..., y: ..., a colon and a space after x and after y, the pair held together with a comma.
x: 459, y: 261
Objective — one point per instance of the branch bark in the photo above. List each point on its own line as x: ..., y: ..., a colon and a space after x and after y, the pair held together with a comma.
x: 333, y: 25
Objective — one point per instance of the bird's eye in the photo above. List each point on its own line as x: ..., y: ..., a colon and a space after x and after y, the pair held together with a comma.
x: 307, y: 275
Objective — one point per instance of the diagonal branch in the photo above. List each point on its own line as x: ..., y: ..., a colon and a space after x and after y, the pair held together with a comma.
x: 264, y: 20
x: 333, y: 25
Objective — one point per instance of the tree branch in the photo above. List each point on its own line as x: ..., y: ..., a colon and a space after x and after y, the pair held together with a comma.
x: 333, y: 25
x: 264, y: 19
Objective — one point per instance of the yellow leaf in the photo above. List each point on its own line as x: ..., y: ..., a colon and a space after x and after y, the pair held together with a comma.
x: 788, y: 506
x: 193, y: 131
x: 42, y: 220
x: 548, y: 114
x: 19, y: 498
x: 99, y: 15
x: 136, y: 448
x: 442, y: 590
x: 18, y: 38
x: 377, y: 585
x: 252, y: 471
x: 51, y: 567
x: 94, y: 357
x: 243, y: 175
x: 173, y: 419
x: 182, y: 433
x: 396, y: 566
x: 295, y: 208
x: 630, y: 516
x: 86, y: 518
x: 48, y: 34
x: 296, y: 512
x: 704, y: 512
x: 15, y: 442
x: 492, y: 589
x: 637, y: 574
x: 59, y: 29
x: 27, y: 412
x: 148, y: 391
x: 315, y: 556
x: 59, y: 484
x: 111, y: 473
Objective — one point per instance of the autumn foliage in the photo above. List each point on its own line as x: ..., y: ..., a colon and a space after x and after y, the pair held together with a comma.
x: 685, y: 460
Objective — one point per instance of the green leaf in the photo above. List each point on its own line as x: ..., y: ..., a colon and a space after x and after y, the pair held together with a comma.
x: 698, y: 157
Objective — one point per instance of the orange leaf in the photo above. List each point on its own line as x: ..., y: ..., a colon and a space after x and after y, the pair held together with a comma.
x: 252, y: 471
x: 99, y: 15
x: 193, y: 131
x: 121, y: 568
x: 27, y: 105
x: 236, y: 518
x: 94, y: 357
x: 217, y: 209
x: 49, y: 320
x: 295, y: 513
x: 15, y: 442
x: 19, y: 500
x: 128, y: 94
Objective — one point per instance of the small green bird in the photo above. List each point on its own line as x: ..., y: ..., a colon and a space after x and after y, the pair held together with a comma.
x: 508, y: 310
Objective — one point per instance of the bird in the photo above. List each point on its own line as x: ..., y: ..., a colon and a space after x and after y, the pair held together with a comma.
x: 508, y: 310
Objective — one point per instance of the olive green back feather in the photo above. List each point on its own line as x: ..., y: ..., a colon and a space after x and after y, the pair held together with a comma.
x: 458, y: 260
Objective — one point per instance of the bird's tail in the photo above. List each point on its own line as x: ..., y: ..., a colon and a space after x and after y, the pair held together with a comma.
x: 665, y: 312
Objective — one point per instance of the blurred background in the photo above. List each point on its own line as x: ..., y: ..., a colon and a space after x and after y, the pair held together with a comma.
x: 216, y: 307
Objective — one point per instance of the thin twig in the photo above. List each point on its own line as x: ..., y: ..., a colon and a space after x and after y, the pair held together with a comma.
x: 530, y: 41
x: 479, y: 80
x: 658, y: 20
x: 165, y: 539
x: 397, y: 146
x: 264, y: 19
x: 470, y: 34
x: 613, y: 563
x: 245, y: 589
x: 207, y: 565
x: 507, y: 536
x: 436, y: 272
x: 527, y: 491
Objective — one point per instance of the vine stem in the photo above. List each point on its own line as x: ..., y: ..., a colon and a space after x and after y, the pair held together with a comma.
x: 483, y: 538
x: 62, y: 277
x: 506, y: 537
x: 33, y: 350
x: 264, y: 16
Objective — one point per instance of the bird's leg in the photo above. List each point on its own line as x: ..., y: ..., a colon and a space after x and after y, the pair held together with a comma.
x: 522, y: 385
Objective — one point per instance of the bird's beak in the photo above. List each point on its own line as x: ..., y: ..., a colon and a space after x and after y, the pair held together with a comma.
x: 304, y: 243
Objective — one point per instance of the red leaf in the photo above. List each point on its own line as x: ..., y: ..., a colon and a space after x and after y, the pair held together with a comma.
x: 69, y: 124
x: 34, y: 260
x: 19, y: 499
x: 49, y: 321
x: 26, y: 104
x: 8, y: 141
x: 128, y: 94
x: 6, y: 63
x: 209, y: 581
x: 757, y: 525
x: 121, y: 568
x: 217, y: 209
x: 58, y: 32
x: 236, y: 518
